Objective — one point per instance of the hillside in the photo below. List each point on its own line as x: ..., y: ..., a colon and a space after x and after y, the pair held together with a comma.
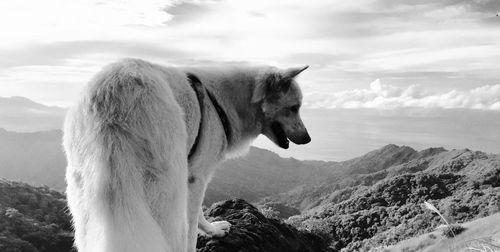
x: 364, y: 211
x: 24, y: 115
x: 35, y: 219
x: 38, y: 158
x: 480, y: 235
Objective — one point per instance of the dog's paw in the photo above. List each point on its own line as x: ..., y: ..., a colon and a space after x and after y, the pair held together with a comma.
x: 219, y: 229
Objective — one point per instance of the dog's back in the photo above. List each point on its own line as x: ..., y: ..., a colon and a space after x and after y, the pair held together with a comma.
x: 126, y: 146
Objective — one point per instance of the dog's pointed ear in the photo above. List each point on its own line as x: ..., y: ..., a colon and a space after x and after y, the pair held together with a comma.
x: 293, y: 72
x: 288, y: 76
x: 274, y: 81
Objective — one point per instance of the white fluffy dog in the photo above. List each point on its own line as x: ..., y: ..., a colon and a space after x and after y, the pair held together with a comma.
x: 143, y: 141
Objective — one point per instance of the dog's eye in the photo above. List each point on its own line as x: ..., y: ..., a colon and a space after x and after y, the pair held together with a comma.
x: 295, y: 108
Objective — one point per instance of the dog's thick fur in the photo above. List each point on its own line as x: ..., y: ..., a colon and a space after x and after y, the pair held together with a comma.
x: 131, y: 185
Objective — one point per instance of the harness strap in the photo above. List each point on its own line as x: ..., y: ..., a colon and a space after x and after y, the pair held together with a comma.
x: 200, y: 90
x: 222, y: 116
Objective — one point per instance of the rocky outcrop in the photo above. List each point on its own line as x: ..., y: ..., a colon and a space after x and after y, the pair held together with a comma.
x: 252, y: 231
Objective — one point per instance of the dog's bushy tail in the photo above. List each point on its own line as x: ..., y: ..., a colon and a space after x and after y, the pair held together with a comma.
x: 131, y: 142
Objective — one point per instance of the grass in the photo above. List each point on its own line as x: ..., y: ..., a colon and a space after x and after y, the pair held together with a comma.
x: 483, y: 245
x: 480, y: 235
x: 450, y: 234
x: 434, y: 209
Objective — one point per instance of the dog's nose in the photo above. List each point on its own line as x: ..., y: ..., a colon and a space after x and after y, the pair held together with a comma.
x: 302, y: 139
x: 307, y: 139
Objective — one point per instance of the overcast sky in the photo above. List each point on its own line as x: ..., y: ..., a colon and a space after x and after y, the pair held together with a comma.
x: 362, y: 53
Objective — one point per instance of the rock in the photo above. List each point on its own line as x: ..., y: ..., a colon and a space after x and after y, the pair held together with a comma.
x: 252, y: 231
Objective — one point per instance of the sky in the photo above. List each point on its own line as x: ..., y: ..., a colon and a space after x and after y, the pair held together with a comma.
x: 363, y: 54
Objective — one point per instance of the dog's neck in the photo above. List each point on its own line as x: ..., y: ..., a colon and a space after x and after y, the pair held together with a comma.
x: 234, y: 93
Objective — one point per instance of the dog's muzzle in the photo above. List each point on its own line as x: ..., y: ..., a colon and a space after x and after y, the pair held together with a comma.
x: 303, y: 138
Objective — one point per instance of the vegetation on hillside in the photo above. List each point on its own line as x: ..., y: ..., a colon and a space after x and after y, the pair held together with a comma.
x: 33, y: 219
x: 359, y: 216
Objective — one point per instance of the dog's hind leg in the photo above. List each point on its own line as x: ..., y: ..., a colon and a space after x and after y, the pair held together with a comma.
x: 196, y: 220
x: 196, y: 189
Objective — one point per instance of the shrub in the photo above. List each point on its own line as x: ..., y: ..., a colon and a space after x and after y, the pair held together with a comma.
x: 452, y: 230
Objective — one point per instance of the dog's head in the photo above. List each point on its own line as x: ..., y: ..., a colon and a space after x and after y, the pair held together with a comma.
x: 280, y: 98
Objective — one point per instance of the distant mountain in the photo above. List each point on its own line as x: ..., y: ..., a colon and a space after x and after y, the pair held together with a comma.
x: 262, y: 173
x: 24, y: 115
x: 345, y: 174
x: 38, y: 158
x: 379, y: 203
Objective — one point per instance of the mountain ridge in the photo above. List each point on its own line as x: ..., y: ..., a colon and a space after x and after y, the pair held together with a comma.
x: 305, y: 197
x: 21, y: 114
x: 38, y: 158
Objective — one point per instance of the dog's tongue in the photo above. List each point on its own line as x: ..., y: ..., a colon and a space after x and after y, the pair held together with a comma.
x: 286, y: 144
x: 283, y: 143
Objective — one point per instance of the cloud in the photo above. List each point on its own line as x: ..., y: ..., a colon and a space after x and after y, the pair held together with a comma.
x: 445, y: 44
x: 182, y: 12
x: 385, y: 96
x: 59, y: 53
x: 485, y: 6
x: 85, y: 12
